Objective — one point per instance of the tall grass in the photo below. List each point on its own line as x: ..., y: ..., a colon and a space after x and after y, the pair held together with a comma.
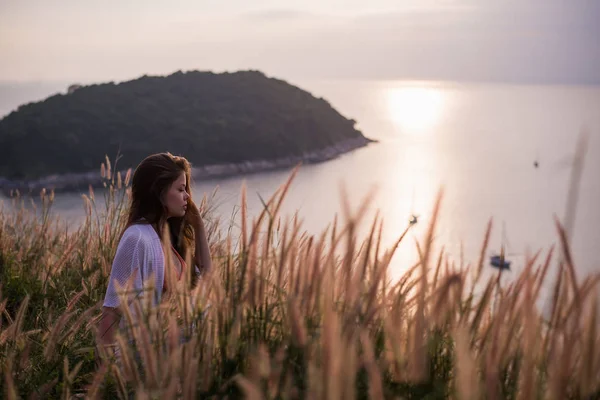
x: 286, y: 314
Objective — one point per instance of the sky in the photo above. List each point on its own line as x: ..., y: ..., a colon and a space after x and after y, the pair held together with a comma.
x: 535, y: 41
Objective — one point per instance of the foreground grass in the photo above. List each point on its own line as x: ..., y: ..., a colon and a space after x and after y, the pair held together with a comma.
x: 288, y: 315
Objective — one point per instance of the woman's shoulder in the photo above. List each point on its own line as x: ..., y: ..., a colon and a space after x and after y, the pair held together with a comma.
x: 140, y: 234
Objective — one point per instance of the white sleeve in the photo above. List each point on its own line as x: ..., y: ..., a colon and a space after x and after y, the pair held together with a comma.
x: 129, y: 260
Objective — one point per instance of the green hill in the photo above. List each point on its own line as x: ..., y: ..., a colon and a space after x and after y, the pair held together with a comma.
x: 210, y: 118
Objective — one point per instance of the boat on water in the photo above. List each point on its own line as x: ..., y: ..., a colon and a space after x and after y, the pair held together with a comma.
x: 498, y: 261
x: 413, y: 219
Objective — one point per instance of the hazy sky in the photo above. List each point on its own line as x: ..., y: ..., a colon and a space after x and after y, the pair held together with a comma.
x: 506, y: 40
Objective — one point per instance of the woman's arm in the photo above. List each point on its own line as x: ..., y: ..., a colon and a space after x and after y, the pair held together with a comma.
x: 202, y: 253
x: 109, y: 322
x: 202, y: 250
x: 128, y: 260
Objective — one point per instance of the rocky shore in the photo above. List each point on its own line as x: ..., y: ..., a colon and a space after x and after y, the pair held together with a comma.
x: 81, y: 181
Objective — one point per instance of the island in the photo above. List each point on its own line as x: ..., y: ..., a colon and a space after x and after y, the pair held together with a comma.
x: 224, y: 123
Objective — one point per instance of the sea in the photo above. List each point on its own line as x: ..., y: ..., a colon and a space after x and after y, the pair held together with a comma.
x: 500, y: 152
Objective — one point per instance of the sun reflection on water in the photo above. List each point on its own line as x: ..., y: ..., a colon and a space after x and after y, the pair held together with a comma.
x: 415, y: 109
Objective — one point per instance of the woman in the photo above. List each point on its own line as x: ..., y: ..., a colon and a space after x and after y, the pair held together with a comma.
x: 161, y: 202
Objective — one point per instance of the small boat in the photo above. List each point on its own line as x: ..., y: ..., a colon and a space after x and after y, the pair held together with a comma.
x: 413, y: 219
x: 498, y: 261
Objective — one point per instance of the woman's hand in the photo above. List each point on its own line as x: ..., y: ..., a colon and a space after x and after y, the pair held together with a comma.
x: 195, y: 216
x: 202, y: 253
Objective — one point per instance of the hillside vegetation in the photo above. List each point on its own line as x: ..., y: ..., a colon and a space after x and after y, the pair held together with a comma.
x: 210, y: 118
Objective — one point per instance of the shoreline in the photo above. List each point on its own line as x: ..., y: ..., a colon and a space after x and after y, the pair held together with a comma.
x: 81, y: 181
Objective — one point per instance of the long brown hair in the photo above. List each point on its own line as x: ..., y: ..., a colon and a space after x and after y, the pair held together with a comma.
x: 151, y: 181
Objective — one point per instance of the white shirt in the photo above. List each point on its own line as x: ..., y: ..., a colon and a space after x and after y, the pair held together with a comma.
x: 139, y: 257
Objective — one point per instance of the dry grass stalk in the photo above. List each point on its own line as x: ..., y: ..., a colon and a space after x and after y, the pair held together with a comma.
x: 310, y: 313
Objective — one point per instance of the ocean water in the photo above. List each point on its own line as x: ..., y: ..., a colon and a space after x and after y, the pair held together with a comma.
x: 476, y: 141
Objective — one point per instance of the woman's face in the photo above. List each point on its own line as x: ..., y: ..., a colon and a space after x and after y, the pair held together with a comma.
x: 176, y: 198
